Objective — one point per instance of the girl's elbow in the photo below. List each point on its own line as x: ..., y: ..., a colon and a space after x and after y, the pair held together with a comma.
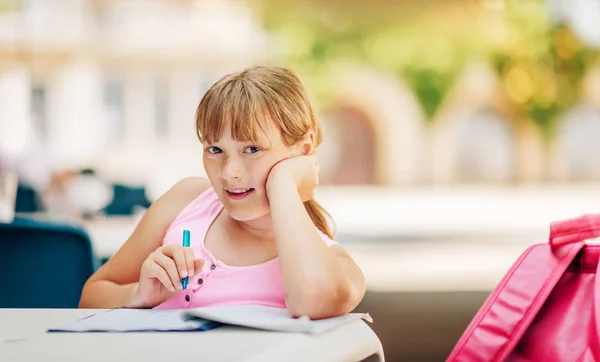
x: 83, y: 302
x: 321, y: 301
x: 84, y: 299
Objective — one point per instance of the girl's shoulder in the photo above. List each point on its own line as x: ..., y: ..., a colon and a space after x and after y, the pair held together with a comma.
x: 191, y: 187
x: 191, y: 193
x: 180, y: 196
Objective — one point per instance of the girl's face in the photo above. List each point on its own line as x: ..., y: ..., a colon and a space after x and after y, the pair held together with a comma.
x: 238, y: 171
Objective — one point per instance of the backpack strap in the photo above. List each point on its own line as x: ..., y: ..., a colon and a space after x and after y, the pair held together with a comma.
x: 573, y: 230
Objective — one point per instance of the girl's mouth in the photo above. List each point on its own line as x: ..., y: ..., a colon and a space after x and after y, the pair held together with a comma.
x: 238, y: 193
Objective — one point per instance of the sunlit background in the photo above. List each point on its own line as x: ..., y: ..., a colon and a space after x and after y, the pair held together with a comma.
x: 455, y: 131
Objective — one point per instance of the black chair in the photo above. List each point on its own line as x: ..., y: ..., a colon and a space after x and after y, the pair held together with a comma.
x: 43, y: 264
x: 125, y: 199
x: 27, y: 199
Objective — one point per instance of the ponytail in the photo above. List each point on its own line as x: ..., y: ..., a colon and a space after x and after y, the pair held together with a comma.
x: 319, y: 217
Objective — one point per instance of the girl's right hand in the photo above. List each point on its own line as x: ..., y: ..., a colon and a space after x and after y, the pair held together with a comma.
x: 161, y: 274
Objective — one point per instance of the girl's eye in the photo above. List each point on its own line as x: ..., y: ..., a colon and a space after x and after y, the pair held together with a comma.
x: 251, y: 149
x: 214, y: 150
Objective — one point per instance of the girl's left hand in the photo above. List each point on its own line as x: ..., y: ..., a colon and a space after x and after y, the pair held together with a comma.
x: 300, y: 171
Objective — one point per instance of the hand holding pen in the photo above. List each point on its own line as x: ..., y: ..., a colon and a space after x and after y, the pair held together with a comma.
x: 166, y: 271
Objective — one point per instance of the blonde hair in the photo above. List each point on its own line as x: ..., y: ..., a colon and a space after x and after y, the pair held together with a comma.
x: 246, y: 99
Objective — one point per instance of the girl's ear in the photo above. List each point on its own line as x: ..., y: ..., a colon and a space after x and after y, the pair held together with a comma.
x: 308, y: 143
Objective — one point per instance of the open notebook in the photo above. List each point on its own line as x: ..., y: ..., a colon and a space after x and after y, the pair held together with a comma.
x: 202, y: 319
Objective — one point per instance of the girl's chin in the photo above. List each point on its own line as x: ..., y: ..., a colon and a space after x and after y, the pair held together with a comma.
x: 245, y: 214
x: 246, y: 217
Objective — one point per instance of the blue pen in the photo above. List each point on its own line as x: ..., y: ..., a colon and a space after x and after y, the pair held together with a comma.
x: 186, y: 244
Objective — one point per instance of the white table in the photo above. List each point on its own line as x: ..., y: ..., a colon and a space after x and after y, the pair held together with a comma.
x: 23, y: 337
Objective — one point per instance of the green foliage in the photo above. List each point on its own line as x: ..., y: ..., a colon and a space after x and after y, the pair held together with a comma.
x: 384, y: 35
x: 541, y: 64
x: 430, y: 87
x: 8, y: 5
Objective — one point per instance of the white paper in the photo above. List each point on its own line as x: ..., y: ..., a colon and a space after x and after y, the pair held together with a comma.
x: 135, y: 320
x: 270, y: 318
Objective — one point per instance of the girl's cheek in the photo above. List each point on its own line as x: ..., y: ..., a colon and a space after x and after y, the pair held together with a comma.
x: 260, y: 168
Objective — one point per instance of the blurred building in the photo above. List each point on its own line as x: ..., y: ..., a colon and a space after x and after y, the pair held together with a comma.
x: 114, y: 85
x: 378, y: 135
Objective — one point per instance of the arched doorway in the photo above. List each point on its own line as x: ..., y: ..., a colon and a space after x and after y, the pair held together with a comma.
x: 350, y: 153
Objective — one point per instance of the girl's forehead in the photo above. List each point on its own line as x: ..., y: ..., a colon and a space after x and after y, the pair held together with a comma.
x: 265, y: 133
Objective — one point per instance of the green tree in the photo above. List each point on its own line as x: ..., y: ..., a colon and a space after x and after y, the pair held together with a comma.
x: 541, y: 64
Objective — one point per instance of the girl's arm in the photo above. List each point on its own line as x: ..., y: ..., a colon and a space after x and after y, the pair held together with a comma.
x: 114, y: 284
x: 320, y: 281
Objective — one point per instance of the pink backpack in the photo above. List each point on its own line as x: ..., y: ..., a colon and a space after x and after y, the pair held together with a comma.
x: 547, y: 307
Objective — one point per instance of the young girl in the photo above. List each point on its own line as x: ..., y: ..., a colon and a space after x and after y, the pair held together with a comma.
x: 257, y: 235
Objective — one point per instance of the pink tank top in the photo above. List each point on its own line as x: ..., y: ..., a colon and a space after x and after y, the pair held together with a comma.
x: 219, y: 283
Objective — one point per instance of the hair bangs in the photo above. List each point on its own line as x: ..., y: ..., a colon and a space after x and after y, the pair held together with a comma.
x: 234, y: 104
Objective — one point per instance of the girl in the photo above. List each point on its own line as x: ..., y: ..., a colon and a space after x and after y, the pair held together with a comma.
x: 257, y: 235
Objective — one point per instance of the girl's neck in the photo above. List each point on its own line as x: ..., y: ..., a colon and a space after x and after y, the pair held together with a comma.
x: 261, y: 228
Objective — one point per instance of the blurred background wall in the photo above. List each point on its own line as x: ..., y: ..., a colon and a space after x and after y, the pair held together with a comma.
x: 455, y: 130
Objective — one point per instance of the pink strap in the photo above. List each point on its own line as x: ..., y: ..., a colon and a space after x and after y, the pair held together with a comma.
x: 575, y: 230
x: 596, y: 308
